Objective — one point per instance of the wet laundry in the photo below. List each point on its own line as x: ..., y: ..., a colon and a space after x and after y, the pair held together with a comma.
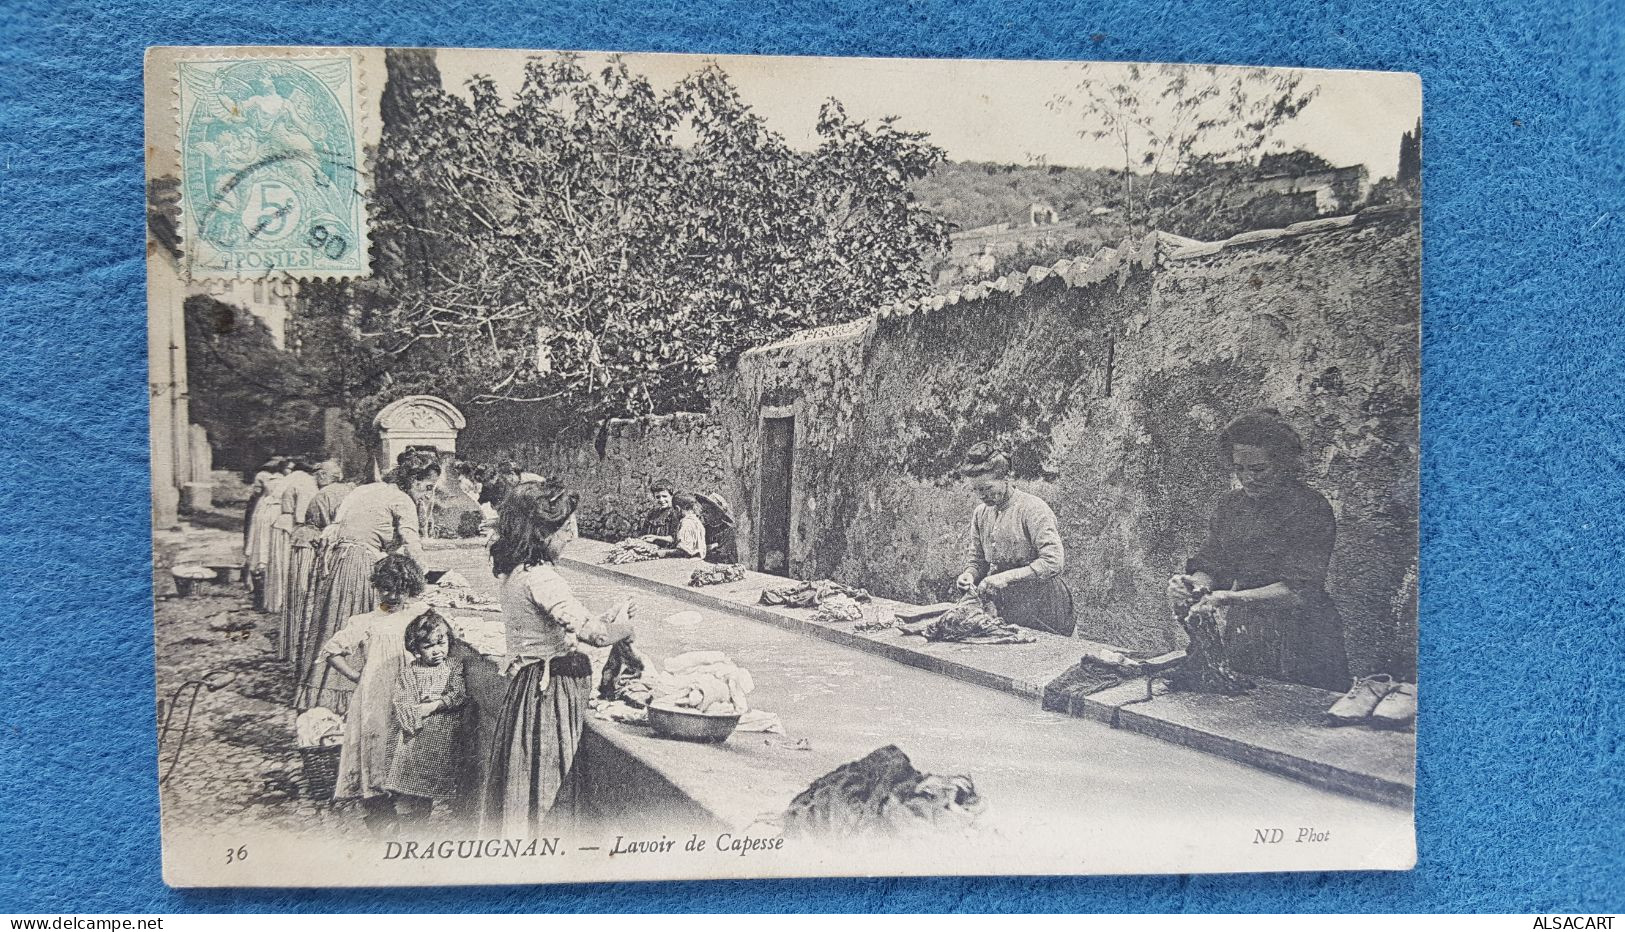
x: 811, y: 594
x: 453, y: 591
x: 839, y: 608
x: 318, y: 727
x: 622, y: 677
x: 632, y: 550
x: 717, y: 575
x: 702, y: 681
x: 969, y: 621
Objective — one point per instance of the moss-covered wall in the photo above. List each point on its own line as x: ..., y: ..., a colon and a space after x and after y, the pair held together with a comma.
x: 813, y: 378
x: 1108, y: 380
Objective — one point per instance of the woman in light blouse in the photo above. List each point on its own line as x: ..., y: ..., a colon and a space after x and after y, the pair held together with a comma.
x: 531, y: 775
x: 1015, y: 556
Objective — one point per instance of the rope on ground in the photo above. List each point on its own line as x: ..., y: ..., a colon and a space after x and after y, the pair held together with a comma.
x: 213, y: 681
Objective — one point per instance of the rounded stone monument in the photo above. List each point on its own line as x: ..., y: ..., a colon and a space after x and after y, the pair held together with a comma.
x: 417, y: 421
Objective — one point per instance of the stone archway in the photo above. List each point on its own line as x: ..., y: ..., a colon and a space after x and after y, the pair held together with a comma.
x: 417, y: 421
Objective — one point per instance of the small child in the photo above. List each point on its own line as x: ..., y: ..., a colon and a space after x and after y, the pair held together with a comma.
x: 690, y: 529
x: 370, y: 652
x: 428, y: 699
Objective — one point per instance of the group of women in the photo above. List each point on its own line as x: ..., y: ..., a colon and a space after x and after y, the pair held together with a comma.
x: 314, y: 543
x: 348, y: 531
x: 1263, y: 562
x: 311, y: 543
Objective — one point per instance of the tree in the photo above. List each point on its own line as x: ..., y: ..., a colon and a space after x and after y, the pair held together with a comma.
x: 255, y: 399
x: 1189, y: 137
x: 1296, y: 162
x: 1410, y: 159
x: 601, y: 247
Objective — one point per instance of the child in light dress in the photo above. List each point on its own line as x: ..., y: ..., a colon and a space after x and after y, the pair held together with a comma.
x: 690, y: 540
x: 429, y: 698
x: 370, y: 650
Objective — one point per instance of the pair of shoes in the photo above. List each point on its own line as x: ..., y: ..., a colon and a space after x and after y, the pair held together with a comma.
x: 1397, y: 709
x: 1358, y: 704
x: 1375, y: 700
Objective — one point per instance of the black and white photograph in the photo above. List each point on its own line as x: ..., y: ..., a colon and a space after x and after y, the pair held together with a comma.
x: 592, y: 466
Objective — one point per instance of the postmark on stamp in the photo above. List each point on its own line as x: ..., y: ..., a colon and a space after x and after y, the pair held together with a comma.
x: 270, y: 157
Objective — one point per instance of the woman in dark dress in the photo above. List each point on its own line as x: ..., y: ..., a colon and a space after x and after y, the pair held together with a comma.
x: 1264, y: 561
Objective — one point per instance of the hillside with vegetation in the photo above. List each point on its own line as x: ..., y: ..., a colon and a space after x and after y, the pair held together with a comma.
x: 977, y: 194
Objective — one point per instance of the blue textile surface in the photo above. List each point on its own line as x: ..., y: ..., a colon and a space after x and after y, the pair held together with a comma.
x: 1520, y: 785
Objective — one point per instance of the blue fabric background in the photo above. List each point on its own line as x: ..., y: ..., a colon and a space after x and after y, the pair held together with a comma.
x: 1520, y: 787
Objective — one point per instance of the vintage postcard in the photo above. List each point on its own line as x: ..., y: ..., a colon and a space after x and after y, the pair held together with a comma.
x: 573, y: 466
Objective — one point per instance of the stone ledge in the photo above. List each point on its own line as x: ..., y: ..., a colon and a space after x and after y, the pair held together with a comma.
x: 1275, y: 728
x: 1021, y: 669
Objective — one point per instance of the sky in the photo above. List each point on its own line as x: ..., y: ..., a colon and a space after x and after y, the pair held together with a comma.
x: 994, y: 111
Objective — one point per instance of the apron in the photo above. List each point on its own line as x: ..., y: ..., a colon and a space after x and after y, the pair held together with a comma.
x: 1040, y: 604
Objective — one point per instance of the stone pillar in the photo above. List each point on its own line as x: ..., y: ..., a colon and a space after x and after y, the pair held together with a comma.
x: 165, y: 297
x: 197, y: 496
x: 180, y: 397
x: 202, y: 455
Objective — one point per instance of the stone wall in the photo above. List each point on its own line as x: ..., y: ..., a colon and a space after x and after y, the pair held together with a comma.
x: 813, y: 378
x: 1108, y: 379
x: 614, y: 469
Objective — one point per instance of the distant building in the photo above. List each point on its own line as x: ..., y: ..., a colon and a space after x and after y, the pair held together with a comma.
x: 1293, y: 196
x: 273, y: 302
x: 1042, y: 215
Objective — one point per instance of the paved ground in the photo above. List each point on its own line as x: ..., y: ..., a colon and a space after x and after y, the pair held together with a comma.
x: 239, y: 764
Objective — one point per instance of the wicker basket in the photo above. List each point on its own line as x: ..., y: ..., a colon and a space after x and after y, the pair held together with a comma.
x: 321, y: 766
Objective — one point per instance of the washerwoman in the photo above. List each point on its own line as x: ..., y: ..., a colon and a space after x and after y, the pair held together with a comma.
x: 374, y: 519
x: 1268, y: 545
x: 531, y: 777
x: 324, y: 507
x: 1015, y: 556
x: 267, y: 509
x: 291, y: 546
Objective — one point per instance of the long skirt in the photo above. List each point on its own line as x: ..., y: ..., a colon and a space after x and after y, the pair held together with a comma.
x: 265, y: 514
x: 1296, y: 643
x: 532, y: 777
x: 1040, y: 604
x: 342, y: 590
x: 296, y: 602
x: 278, y: 562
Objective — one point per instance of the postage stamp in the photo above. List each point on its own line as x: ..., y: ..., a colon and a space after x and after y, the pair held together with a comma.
x: 270, y: 156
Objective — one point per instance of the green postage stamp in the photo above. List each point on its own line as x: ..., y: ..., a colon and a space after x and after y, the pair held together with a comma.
x: 270, y: 155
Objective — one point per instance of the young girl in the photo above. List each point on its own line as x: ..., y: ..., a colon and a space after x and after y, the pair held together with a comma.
x: 690, y: 539
x: 370, y: 651
x: 428, y: 697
